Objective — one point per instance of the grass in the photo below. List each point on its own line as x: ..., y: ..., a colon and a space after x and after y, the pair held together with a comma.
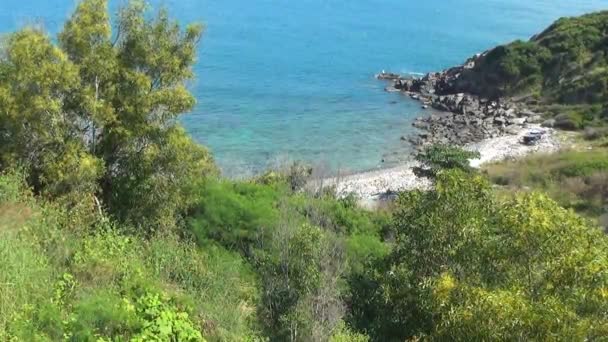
x: 576, y: 179
x: 60, y: 282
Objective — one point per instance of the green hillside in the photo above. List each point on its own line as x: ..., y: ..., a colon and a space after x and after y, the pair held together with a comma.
x: 116, y: 226
x: 565, y: 64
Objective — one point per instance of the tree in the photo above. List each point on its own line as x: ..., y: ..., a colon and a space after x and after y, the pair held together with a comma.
x: 436, y: 158
x: 35, y: 132
x: 468, y: 266
x: 301, y: 276
x: 95, y: 116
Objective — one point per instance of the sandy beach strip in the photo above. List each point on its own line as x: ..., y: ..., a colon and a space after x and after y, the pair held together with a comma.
x: 372, y: 185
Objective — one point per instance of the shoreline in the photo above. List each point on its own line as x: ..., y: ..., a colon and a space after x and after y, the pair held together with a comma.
x: 373, y: 186
x: 493, y: 127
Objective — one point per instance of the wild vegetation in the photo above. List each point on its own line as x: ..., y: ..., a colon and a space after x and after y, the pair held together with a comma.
x: 566, y: 64
x: 576, y: 179
x: 115, y: 226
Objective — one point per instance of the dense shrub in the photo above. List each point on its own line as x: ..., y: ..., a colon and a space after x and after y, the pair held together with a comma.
x: 469, y: 266
x: 60, y: 281
x: 437, y: 158
x: 239, y: 215
x: 567, y: 64
x: 90, y: 116
x: 224, y: 288
x: 575, y: 179
x: 93, y: 245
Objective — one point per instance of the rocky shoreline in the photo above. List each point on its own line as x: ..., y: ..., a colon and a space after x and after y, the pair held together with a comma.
x: 495, y: 127
x: 374, y: 187
x: 465, y: 118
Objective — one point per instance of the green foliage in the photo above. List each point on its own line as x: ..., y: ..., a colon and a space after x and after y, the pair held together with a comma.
x: 244, y: 216
x: 343, y: 334
x: 149, y: 317
x: 584, y: 168
x: 517, y: 65
x: 95, y: 116
x: 102, y: 314
x: 236, y: 214
x: 109, y: 259
x: 437, y: 158
x: 301, y: 278
x: 162, y: 322
x: 363, y: 230
x: 60, y: 282
x: 339, y: 215
x: 575, y: 179
x: 25, y: 274
x: 567, y: 63
x: 224, y: 286
x: 468, y: 266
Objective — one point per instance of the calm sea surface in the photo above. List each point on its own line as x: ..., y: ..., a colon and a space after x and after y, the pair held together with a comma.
x: 284, y: 79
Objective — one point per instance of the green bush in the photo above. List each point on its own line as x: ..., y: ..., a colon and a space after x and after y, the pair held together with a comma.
x: 567, y: 63
x: 363, y: 250
x: 582, y: 168
x: 236, y: 214
x: 58, y: 281
x: 222, y: 285
x: 339, y: 215
x: 518, y: 60
x: 437, y: 158
x: 573, y: 178
x: 163, y: 321
x: 109, y: 259
x: 470, y: 266
x: 26, y: 273
x: 103, y: 314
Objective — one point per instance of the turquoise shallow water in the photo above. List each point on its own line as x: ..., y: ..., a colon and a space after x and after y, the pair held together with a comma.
x: 281, y: 79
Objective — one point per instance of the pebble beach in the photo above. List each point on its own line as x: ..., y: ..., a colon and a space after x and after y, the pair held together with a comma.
x: 376, y: 184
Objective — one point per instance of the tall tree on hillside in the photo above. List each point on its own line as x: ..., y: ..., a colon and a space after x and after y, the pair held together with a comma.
x: 95, y: 117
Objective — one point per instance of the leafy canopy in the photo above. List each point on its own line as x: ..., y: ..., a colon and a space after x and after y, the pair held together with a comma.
x: 469, y: 266
x: 436, y: 158
x: 94, y: 116
x: 567, y: 63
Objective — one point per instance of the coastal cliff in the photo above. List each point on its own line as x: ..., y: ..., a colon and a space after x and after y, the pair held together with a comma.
x: 557, y: 78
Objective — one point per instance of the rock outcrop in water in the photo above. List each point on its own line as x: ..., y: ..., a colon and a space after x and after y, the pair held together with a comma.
x: 563, y: 70
x: 466, y: 118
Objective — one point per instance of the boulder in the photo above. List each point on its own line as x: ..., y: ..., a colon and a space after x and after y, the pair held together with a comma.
x: 548, y: 123
x: 517, y: 121
x: 527, y: 113
x: 564, y: 121
x: 499, y: 120
x: 420, y: 124
x: 534, y: 119
x: 512, y: 129
x: 387, y: 76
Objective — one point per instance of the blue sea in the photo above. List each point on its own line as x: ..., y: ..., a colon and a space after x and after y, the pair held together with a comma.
x: 284, y: 80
